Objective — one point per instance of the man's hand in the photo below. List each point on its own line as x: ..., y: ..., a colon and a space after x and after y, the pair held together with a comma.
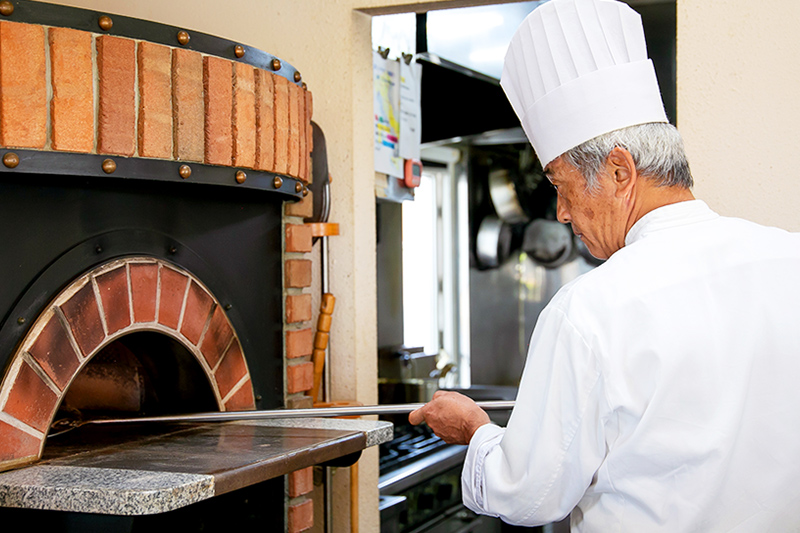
x: 452, y: 416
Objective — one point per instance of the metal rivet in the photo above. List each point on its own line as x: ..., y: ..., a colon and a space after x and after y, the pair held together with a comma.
x: 240, y: 176
x: 185, y: 171
x: 173, y: 250
x: 276, y: 64
x: 305, y: 85
x: 297, y: 76
x: 298, y: 186
x: 6, y: 9
x: 109, y: 166
x: 258, y: 397
x: 228, y: 307
x: 238, y: 50
x: 21, y: 320
x: 183, y: 37
x: 11, y: 160
x: 305, y: 191
x: 105, y: 22
x: 98, y: 249
x: 277, y: 182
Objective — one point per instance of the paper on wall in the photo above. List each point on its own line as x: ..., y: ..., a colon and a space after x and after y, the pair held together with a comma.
x: 386, y: 92
x: 410, y: 112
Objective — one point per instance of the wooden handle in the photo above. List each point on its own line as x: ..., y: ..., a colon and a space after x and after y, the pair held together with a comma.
x: 321, y: 338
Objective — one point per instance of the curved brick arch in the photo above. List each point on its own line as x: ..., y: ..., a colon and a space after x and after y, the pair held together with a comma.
x: 121, y: 297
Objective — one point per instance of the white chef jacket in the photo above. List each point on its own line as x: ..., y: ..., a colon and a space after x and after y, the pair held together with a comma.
x: 661, y: 390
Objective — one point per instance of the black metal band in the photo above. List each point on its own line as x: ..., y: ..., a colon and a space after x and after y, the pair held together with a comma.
x: 92, y: 165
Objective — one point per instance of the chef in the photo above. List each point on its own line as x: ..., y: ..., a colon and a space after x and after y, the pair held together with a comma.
x: 661, y: 389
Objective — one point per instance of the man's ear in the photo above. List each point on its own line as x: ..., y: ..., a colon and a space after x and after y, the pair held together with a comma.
x: 622, y: 169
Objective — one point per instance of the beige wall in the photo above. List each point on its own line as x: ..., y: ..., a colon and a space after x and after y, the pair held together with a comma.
x: 738, y: 105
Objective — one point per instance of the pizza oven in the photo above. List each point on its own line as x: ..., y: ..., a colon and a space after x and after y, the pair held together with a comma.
x: 153, y: 191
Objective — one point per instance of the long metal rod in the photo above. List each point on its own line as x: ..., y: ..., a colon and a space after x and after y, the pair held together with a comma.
x: 317, y: 412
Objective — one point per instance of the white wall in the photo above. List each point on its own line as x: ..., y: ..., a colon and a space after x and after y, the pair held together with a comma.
x: 739, y: 105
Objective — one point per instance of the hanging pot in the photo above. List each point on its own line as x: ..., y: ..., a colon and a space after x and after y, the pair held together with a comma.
x: 504, y: 197
x: 548, y: 242
x: 493, y: 244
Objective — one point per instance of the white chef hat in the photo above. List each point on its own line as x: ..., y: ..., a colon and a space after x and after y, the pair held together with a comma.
x: 576, y: 69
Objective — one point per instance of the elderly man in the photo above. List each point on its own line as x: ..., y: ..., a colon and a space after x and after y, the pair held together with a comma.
x: 660, y: 389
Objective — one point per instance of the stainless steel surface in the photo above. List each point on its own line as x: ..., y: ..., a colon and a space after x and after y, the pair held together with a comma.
x: 316, y: 412
x: 493, y: 242
x: 504, y: 197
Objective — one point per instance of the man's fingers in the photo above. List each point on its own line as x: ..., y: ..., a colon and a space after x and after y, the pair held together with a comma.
x: 416, y: 417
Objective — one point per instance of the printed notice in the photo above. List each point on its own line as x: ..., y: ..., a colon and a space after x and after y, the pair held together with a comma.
x: 386, y: 87
x: 410, y: 115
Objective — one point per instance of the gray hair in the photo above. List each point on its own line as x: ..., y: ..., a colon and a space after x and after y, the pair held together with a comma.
x: 656, y: 148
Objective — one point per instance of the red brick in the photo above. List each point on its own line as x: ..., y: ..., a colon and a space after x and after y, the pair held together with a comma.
x: 303, y: 134
x: 299, y: 378
x: 281, y: 125
x: 144, y: 291
x: 294, y: 129
x: 243, y: 399
x: 116, y: 123
x: 173, y: 290
x: 265, y: 120
x: 83, y: 317
x: 217, y: 75
x: 309, y: 130
x: 72, y: 79
x: 231, y: 370
x: 31, y: 400
x: 301, y: 208
x: 155, y: 100
x: 298, y: 308
x: 196, y: 314
x: 187, y: 105
x: 299, y: 343
x: 298, y: 238
x: 244, y: 116
x: 113, y: 287
x: 55, y: 354
x: 301, y: 482
x: 297, y: 273
x: 23, y: 97
x: 300, y: 517
x: 217, y: 337
x: 17, y: 447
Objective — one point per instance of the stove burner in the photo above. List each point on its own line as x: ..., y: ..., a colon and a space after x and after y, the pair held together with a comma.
x: 410, y: 443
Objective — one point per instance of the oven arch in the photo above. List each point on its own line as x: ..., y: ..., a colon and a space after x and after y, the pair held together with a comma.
x: 120, y: 297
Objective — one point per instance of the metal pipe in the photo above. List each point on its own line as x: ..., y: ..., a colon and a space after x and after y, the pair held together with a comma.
x: 316, y: 412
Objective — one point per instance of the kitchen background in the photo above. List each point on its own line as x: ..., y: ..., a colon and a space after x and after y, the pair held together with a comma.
x: 736, y: 75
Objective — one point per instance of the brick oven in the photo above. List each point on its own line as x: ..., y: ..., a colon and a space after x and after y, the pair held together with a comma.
x: 153, y: 190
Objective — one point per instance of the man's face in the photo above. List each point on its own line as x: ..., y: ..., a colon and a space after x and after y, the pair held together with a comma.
x: 597, y: 216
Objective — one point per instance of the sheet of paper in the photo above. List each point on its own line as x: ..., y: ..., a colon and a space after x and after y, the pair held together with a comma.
x: 386, y: 88
x: 410, y: 112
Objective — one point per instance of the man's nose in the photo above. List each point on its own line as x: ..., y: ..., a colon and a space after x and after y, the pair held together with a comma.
x: 561, y: 212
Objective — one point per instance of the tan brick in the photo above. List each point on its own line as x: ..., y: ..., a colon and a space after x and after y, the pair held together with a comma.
x: 155, y: 100
x: 72, y: 80
x: 298, y: 238
x: 299, y: 402
x: 298, y: 308
x: 244, y: 116
x: 301, y: 208
x: 217, y: 76
x: 297, y: 273
x: 23, y: 97
x: 265, y: 121
x: 300, y: 517
x: 301, y: 482
x: 187, y: 105
x: 116, y: 123
x: 294, y: 129
x: 299, y: 377
x: 281, y: 125
x: 299, y: 343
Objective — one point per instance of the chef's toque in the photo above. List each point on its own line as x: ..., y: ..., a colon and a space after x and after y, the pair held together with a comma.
x: 576, y: 69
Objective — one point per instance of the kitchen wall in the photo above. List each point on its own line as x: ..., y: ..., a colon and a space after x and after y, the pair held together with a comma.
x: 738, y: 70
x: 738, y: 108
